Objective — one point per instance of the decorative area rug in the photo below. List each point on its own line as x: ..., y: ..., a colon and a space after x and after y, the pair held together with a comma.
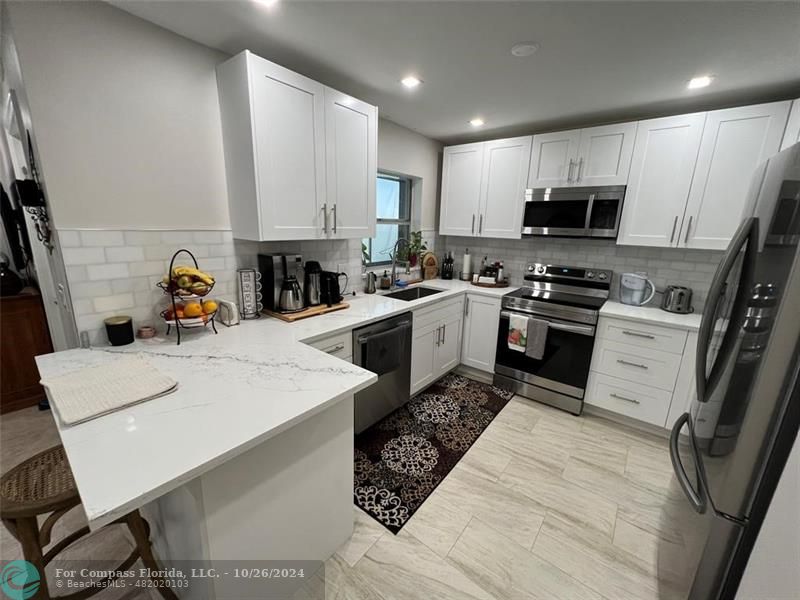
x: 401, y: 459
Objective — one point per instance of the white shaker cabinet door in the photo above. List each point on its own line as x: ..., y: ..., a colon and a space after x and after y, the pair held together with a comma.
x: 482, y: 318
x: 462, y: 167
x: 792, y: 134
x: 604, y: 155
x: 664, y: 158
x: 448, y: 350
x: 289, y: 131
x: 736, y: 142
x: 351, y: 133
x: 505, y: 172
x: 423, y: 356
x: 554, y: 159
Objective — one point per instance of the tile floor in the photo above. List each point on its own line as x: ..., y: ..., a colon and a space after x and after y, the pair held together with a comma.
x: 544, y: 505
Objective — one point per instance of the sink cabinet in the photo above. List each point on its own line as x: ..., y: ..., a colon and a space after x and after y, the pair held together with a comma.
x: 300, y: 158
x: 436, y: 342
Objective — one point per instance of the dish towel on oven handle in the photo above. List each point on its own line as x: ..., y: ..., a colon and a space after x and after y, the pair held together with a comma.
x: 517, y: 332
x: 536, y: 338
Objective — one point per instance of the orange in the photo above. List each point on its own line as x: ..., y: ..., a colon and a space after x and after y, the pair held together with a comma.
x: 209, y: 307
x: 193, y: 309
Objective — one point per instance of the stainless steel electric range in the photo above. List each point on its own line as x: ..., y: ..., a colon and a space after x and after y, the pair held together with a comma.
x: 569, y: 300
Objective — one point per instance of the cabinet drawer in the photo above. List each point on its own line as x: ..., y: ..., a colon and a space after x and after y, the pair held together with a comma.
x: 641, y: 365
x: 627, y: 398
x: 339, y: 345
x: 642, y: 334
x: 438, y: 312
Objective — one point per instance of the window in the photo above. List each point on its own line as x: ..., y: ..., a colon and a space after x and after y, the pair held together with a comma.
x: 393, y: 213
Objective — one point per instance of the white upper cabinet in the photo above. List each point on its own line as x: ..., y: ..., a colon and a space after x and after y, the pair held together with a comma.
x: 505, y: 170
x: 351, y: 134
x: 604, y: 155
x: 483, y: 188
x: 582, y: 157
x: 553, y: 159
x: 293, y: 155
x: 462, y: 168
x: 735, y: 144
x: 792, y: 134
x: 660, y: 177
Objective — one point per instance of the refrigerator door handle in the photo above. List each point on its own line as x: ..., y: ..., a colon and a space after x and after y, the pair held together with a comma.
x: 697, y: 497
x: 746, y: 234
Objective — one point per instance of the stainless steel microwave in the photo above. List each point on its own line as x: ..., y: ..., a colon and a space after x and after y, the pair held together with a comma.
x: 573, y: 212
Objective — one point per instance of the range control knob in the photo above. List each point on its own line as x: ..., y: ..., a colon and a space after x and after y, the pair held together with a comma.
x: 540, y: 269
x: 530, y: 268
x: 590, y: 275
x: 602, y: 276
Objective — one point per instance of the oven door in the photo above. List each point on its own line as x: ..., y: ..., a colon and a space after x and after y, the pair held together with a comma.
x: 564, y: 367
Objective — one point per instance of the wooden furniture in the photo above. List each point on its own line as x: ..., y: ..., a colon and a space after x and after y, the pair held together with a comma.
x: 483, y: 188
x: 301, y: 158
x: 691, y: 175
x: 23, y: 335
x: 313, y: 311
x: 43, y: 485
x: 582, y: 157
x: 436, y: 342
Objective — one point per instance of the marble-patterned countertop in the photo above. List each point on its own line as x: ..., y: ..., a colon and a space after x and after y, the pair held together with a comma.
x: 651, y: 314
x: 236, y: 390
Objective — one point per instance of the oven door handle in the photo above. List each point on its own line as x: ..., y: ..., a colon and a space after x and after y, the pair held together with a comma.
x: 579, y: 329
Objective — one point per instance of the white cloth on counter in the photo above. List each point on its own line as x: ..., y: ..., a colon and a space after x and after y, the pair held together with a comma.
x: 95, y: 391
x: 536, y: 340
x: 517, y: 332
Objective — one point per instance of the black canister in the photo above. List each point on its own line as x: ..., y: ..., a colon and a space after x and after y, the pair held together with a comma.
x: 119, y: 330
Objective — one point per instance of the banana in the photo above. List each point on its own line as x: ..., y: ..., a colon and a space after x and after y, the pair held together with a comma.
x: 192, y: 272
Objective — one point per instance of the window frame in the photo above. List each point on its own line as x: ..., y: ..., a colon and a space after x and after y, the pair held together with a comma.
x: 405, y: 197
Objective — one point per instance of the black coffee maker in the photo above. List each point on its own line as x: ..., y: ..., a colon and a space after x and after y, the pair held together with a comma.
x: 330, y: 292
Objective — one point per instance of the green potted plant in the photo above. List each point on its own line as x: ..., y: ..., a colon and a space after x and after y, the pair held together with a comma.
x: 416, y: 248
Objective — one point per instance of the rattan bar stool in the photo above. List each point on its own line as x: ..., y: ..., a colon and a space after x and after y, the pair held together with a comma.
x: 43, y: 484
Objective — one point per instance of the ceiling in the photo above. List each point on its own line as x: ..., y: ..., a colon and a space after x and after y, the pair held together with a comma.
x: 598, y: 61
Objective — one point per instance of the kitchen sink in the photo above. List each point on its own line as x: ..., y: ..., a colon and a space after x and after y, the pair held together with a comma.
x: 414, y: 293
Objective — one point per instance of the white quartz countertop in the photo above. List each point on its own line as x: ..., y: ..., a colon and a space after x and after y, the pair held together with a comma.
x: 236, y: 390
x: 651, y: 314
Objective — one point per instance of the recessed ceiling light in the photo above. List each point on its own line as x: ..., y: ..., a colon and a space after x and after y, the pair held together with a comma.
x: 410, y: 81
x: 476, y: 122
x: 524, y: 48
x: 700, y: 82
x: 267, y: 3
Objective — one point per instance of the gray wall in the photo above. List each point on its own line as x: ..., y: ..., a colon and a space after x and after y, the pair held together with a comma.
x: 693, y: 268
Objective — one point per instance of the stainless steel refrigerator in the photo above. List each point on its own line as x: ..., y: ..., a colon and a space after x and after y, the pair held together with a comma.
x: 729, y: 450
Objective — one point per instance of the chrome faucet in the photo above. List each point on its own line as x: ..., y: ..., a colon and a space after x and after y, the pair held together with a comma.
x: 392, y: 276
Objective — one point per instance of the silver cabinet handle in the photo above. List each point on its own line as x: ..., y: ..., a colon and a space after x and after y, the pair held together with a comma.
x: 569, y: 170
x: 632, y: 364
x: 618, y: 397
x: 438, y: 335
x: 641, y: 335
x: 480, y: 226
x: 334, y: 348
x: 674, y: 225
x: 473, y: 223
x: 580, y: 170
x: 688, y: 228
x: 334, y: 218
x: 466, y: 306
x: 325, y: 218
x: 444, y: 332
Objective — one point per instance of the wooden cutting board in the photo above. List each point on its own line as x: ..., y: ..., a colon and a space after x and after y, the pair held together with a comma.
x: 308, y: 312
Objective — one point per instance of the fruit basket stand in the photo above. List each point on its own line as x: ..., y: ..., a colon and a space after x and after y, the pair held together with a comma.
x: 178, y: 295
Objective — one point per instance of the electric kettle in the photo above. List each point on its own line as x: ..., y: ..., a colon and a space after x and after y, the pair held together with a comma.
x: 633, y: 289
x: 312, y: 286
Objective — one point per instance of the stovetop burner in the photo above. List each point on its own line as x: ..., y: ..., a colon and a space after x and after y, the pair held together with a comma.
x: 569, y: 286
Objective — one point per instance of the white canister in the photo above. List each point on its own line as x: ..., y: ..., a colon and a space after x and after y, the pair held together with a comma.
x: 466, y: 266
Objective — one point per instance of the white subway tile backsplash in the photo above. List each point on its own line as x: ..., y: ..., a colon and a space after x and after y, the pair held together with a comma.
x: 207, y: 237
x: 116, y: 302
x: 108, y: 271
x: 131, y: 284
x: 83, y: 256
x: 77, y: 273
x: 148, y: 267
x: 69, y: 239
x: 125, y: 254
x: 89, y: 289
x: 102, y: 238
x: 142, y: 238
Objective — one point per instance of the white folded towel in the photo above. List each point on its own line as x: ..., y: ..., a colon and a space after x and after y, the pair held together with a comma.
x: 95, y: 391
x: 517, y: 332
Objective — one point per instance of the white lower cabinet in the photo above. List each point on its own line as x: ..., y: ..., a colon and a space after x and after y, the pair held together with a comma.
x: 436, y: 342
x: 638, y: 370
x: 481, y: 319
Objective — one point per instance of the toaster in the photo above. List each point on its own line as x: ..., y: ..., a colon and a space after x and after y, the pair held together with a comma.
x: 228, y: 313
